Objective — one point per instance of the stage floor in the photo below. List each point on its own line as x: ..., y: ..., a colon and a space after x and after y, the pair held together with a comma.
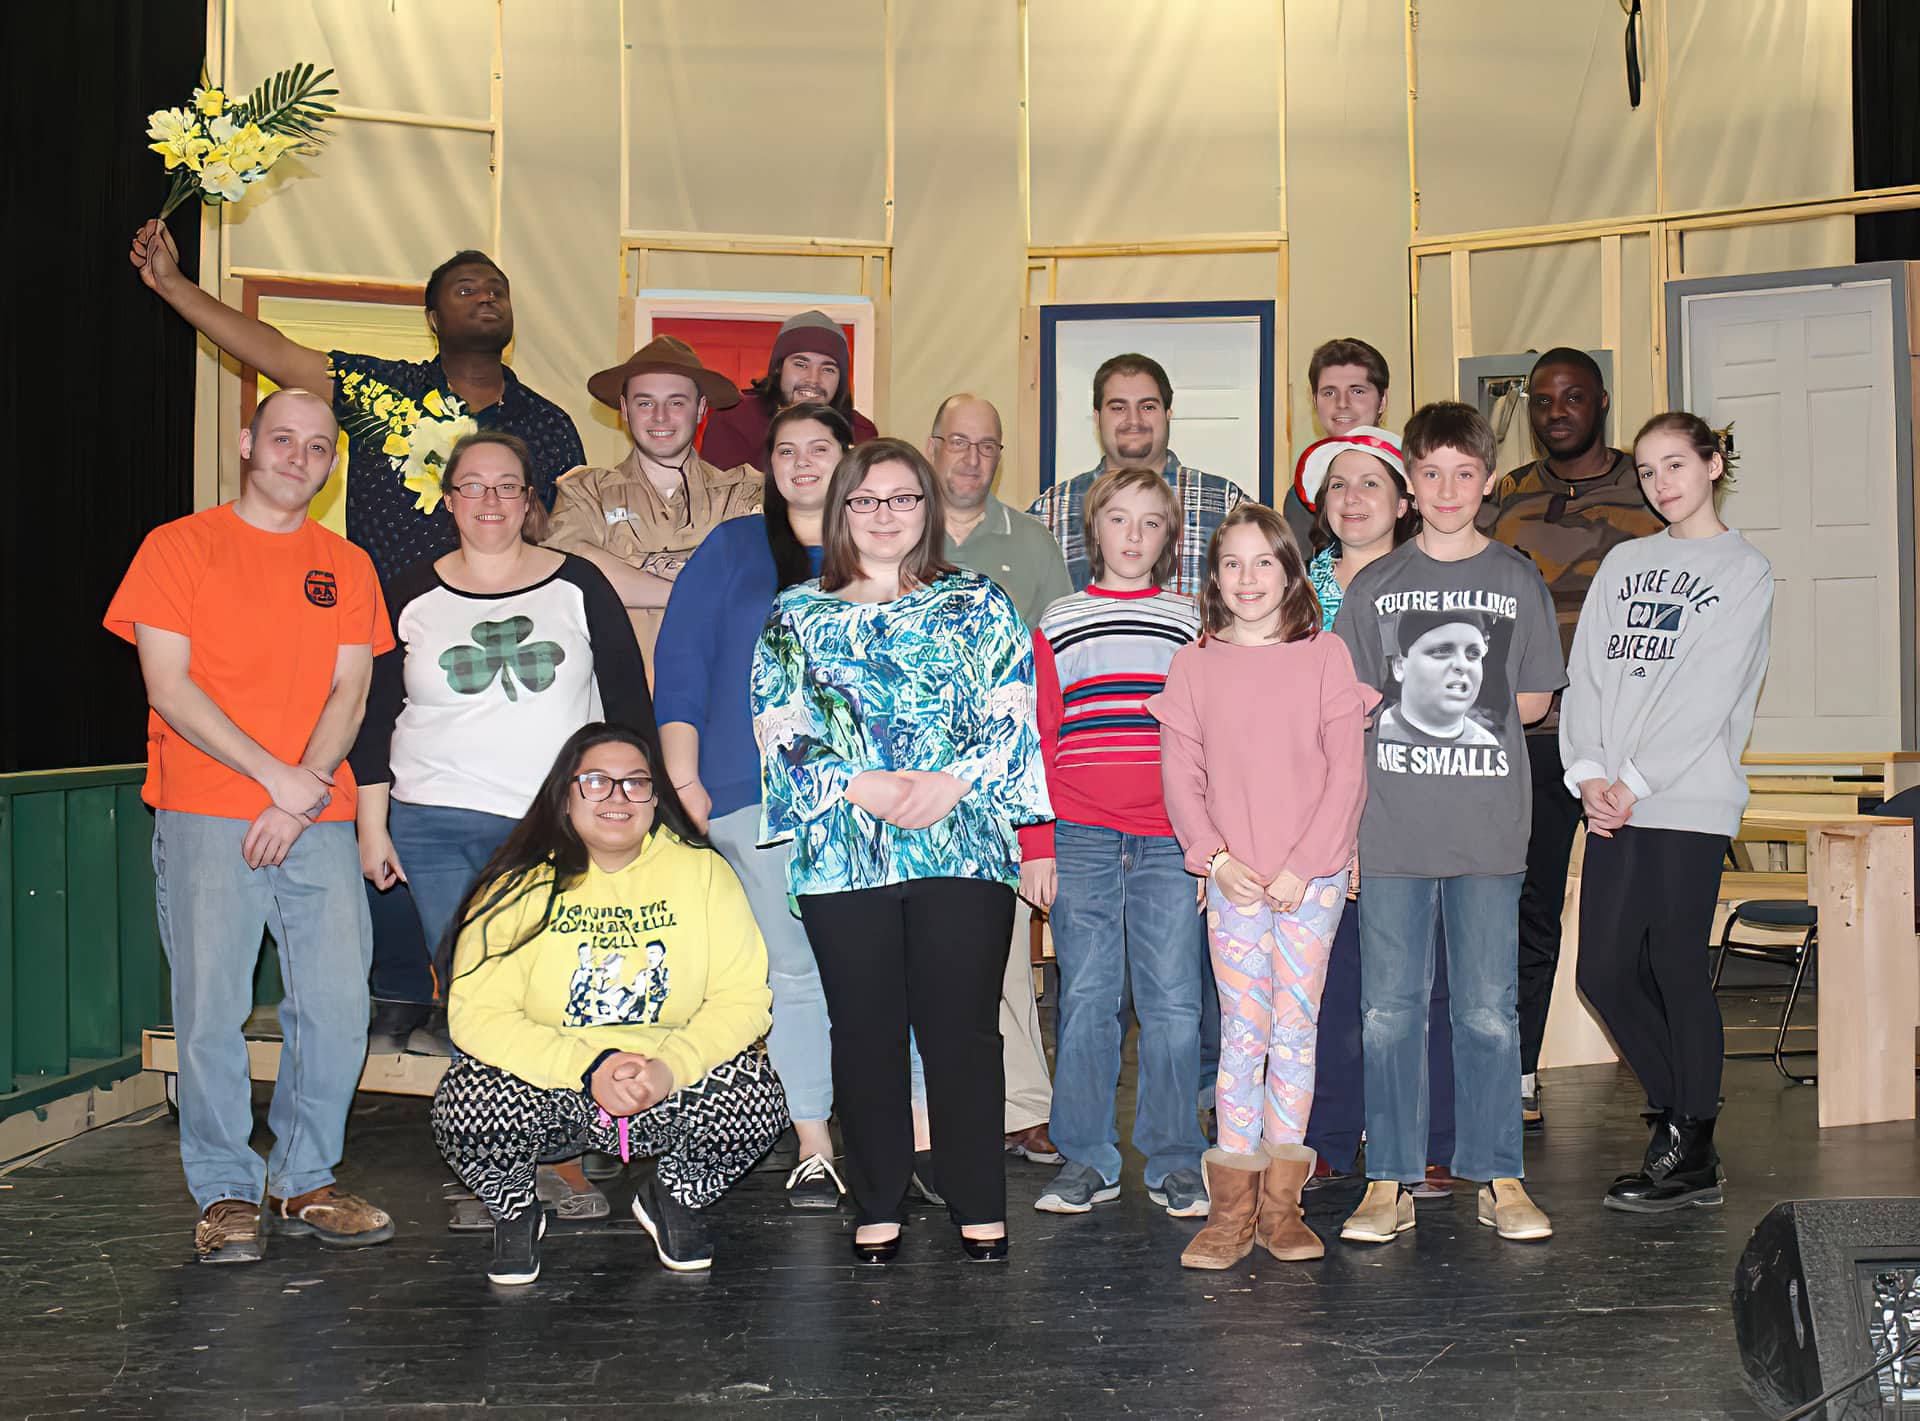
x: 105, y: 1314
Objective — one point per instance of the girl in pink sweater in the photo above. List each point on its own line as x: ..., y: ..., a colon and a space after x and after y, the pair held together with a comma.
x: 1261, y: 746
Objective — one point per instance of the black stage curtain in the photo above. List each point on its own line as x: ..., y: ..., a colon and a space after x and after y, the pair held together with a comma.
x: 96, y: 374
x: 1886, y: 122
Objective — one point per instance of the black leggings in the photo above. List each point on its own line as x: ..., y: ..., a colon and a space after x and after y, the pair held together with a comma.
x: 1646, y: 914
x: 929, y: 954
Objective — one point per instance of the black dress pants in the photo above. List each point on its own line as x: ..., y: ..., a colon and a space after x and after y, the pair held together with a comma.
x: 1646, y: 914
x: 1543, y: 893
x: 927, y: 955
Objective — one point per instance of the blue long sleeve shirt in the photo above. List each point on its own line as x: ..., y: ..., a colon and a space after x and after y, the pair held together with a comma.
x: 703, y: 661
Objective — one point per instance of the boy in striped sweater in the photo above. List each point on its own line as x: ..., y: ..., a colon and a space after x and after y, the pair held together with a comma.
x: 1109, y: 871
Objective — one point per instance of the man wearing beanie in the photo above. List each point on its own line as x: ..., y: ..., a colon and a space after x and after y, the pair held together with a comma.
x: 809, y: 362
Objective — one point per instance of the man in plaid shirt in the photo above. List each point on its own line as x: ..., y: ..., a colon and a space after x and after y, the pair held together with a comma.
x: 1133, y: 405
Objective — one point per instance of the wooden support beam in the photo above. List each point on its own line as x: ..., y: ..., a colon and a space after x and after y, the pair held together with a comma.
x: 1861, y: 881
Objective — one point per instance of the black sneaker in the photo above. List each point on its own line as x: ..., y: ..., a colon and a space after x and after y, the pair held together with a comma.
x: 815, y: 1184
x: 679, y: 1234
x: 1532, y: 1121
x: 601, y: 1167
x: 516, y: 1248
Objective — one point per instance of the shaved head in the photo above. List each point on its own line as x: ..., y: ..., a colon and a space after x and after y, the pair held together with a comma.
x: 259, y: 420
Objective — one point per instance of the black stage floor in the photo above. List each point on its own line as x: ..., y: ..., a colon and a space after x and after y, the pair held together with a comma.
x: 104, y: 1313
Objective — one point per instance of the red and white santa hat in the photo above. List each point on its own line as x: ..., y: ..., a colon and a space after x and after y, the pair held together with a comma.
x: 1310, y: 470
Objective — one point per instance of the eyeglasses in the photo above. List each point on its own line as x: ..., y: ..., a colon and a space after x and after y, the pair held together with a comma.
x: 899, y: 503
x: 987, y: 449
x: 594, y: 787
x: 506, y: 493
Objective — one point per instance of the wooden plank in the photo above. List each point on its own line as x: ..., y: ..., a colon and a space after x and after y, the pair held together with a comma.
x: 1807, y: 784
x: 1738, y: 887
x: 144, y: 987
x: 389, y: 1075
x: 40, y: 934
x: 1869, y: 999
x: 93, y: 925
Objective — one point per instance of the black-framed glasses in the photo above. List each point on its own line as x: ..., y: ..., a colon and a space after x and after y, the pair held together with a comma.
x: 899, y: 503
x: 506, y: 493
x: 987, y: 449
x: 595, y: 787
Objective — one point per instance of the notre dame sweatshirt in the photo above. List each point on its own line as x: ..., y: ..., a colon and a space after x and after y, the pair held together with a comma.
x: 1665, y: 671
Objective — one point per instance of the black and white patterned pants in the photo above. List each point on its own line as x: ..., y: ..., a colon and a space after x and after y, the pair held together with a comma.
x: 494, y: 1128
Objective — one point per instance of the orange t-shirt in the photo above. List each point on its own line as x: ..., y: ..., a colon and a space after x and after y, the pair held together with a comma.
x: 267, y: 614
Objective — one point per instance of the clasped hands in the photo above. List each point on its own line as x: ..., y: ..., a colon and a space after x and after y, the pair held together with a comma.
x: 627, y: 1083
x: 299, y: 794
x: 1244, y: 888
x: 1608, y: 806
x: 907, y: 799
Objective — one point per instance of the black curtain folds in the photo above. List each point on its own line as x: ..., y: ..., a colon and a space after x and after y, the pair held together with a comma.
x: 1886, y: 122
x: 96, y: 374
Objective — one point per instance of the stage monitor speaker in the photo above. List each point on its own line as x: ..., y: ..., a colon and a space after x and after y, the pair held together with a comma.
x: 1824, y: 1287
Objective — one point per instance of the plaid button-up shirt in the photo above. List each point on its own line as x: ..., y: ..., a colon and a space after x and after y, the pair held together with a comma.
x: 1204, y: 498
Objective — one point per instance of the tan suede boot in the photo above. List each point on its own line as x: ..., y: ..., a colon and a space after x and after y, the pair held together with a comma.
x: 1281, y: 1230
x: 1233, y: 1183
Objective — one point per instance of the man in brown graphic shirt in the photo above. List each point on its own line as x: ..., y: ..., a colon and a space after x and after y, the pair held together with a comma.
x: 1566, y: 511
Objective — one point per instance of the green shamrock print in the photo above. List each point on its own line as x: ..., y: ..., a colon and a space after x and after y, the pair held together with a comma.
x: 497, y: 651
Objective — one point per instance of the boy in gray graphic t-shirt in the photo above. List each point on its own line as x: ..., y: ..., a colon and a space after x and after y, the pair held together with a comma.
x: 1457, y: 633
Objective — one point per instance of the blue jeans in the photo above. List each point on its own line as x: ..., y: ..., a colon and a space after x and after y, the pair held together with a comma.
x: 211, y: 909
x: 1398, y: 922
x: 1125, y: 910
x: 800, y: 1040
x: 1339, y: 1091
x: 443, y: 850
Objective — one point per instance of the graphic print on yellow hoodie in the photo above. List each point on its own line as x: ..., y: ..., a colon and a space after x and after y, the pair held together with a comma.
x: 661, y: 958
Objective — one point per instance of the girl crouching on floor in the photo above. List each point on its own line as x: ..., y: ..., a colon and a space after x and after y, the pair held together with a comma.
x: 609, y: 993
x: 1261, y: 729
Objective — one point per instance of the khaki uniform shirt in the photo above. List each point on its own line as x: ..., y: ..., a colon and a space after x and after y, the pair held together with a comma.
x: 619, y: 511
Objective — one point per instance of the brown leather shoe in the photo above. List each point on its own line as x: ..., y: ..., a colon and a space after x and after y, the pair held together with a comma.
x: 1280, y: 1228
x: 1034, y: 1143
x: 229, y: 1232
x: 338, y: 1219
x: 1233, y: 1183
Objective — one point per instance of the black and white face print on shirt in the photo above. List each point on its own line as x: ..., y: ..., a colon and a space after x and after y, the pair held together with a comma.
x: 1448, y: 702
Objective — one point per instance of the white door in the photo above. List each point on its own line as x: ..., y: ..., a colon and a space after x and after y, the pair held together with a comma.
x: 1213, y: 364
x: 1805, y: 377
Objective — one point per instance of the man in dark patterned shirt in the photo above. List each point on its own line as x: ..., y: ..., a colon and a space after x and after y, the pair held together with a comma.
x: 470, y: 312
x: 1566, y: 511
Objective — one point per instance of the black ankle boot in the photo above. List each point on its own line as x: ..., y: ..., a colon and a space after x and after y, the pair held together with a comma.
x: 1692, y: 1180
x: 1663, y: 1148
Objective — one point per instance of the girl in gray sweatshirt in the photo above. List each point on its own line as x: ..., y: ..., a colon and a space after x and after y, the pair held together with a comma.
x: 1665, y: 672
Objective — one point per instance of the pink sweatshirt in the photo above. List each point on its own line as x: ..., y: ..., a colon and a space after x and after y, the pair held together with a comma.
x: 1282, y: 728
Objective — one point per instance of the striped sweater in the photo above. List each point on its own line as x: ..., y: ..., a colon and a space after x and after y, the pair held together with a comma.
x: 1097, y: 656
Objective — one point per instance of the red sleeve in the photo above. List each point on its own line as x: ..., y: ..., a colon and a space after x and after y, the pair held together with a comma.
x: 723, y: 446
x: 157, y: 590
x: 1036, y: 840
x: 363, y: 607
x: 1329, y: 837
x: 864, y: 428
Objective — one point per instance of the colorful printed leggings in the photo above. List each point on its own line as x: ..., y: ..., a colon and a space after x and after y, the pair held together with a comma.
x: 1270, y: 967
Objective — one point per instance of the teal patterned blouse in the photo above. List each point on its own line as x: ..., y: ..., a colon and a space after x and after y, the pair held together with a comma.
x: 938, y: 679
x: 1325, y: 585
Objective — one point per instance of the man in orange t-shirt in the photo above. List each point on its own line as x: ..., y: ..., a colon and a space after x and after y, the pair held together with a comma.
x: 256, y: 630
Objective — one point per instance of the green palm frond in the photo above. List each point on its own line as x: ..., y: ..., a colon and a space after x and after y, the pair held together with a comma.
x: 291, y: 102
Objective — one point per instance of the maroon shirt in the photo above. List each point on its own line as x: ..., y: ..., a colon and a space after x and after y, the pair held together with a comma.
x: 739, y: 435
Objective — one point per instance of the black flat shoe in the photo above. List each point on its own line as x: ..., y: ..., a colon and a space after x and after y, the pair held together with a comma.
x: 984, y: 1250
x: 876, y: 1255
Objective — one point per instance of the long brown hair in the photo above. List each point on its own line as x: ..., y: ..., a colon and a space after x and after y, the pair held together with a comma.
x: 840, y: 559
x: 1110, y: 486
x: 1299, y: 608
x: 1404, y: 527
x: 1705, y: 439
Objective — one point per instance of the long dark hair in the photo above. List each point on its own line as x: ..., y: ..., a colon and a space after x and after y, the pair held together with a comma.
x: 543, y: 853
x: 791, y: 565
x: 767, y: 389
x: 840, y: 559
x: 1299, y: 607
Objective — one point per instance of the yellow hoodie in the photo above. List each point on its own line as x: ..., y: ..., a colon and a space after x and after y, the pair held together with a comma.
x: 661, y: 958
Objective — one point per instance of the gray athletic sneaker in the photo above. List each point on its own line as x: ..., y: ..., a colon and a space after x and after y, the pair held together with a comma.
x: 1183, y: 1194
x: 1075, y: 1190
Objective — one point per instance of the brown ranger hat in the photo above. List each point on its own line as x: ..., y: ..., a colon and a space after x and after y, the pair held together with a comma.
x: 667, y: 355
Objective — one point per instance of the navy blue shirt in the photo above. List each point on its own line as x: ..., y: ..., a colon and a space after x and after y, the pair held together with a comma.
x: 703, y: 661
x: 381, y: 516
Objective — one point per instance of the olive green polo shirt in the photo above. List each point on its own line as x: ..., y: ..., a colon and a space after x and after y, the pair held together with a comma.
x: 1016, y: 551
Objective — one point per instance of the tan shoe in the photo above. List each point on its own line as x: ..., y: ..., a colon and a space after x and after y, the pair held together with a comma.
x: 1385, y: 1212
x: 1233, y: 1183
x: 1505, y: 1208
x: 1280, y: 1229
x: 229, y: 1232
x: 335, y: 1217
